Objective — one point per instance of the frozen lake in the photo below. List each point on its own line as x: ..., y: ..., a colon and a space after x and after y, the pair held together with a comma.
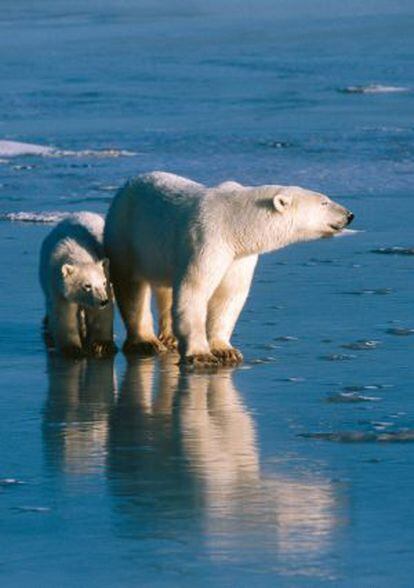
x: 297, y: 468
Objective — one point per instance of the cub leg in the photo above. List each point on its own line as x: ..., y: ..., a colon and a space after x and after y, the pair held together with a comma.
x: 47, y: 335
x: 99, y: 331
x: 164, y: 298
x: 225, y: 306
x: 134, y: 301
x: 63, y: 326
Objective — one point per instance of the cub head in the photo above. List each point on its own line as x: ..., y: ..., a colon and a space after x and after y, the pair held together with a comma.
x: 87, y: 284
x: 311, y: 215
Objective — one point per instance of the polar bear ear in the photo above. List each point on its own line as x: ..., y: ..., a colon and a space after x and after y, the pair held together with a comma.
x: 67, y: 270
x: 282, y: 201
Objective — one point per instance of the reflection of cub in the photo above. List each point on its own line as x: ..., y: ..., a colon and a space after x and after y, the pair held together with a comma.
x: 75, y: 426
x: 74, y: 277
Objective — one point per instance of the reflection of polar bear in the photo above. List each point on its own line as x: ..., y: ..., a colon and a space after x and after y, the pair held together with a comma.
x: 74, y: 278
x: 183, y: 446
x: 198, y: 248
x: 293, y: 511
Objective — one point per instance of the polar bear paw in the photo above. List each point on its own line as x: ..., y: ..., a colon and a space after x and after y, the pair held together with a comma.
x: 102, y: 349
x: 169, y: 341
x: 146, y: 348
x: 200, y: 361
x: 229, y: 356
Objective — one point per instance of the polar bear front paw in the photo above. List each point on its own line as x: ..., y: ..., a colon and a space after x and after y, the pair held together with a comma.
x: 145, y: 348
x: 230, y: 356
x: 102, y: 349
x: 72, y: 351
x: 200, y: 361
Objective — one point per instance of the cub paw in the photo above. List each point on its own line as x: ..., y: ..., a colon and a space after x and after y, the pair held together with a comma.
x: 144, y: 348
x: 169, y: 341
x: 230, y: 356
x: 72, y: 351
x: 102, y: 349
x: 200, y: 361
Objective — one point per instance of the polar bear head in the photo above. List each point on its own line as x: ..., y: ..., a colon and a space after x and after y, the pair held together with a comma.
x: 270, y: 217
x: 87, y: 284
x: 308, y: 215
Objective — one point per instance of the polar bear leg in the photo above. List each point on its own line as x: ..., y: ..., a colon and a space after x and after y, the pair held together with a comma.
x: 225, y: 306
x: 63, y: 325
x: 164, y: 297
x: 134, y: 301
x: 190, y: 300
x: 99, y: 331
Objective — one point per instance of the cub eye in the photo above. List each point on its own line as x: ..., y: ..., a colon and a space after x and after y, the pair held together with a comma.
x: 87, y: 287
x: 325, y: 203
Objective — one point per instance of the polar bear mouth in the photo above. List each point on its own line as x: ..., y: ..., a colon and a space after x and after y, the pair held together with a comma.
x: 337, y: 228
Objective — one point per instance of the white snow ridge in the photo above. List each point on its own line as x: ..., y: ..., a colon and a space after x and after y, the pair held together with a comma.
x: 17, y: 148
x: 375, y: 89
x: 34, y: 217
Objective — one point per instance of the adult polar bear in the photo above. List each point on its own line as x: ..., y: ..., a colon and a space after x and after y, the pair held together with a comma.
x: 197, y: 248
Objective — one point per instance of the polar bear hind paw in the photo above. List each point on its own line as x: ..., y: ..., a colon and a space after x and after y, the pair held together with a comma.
x: 230, y: 356
x: 102, y: 349
x: 200, y: 361
x: 144, y: 348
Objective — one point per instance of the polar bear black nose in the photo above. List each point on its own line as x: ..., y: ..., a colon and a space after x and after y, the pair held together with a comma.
x: 104, y: 303
x: 350, y: 216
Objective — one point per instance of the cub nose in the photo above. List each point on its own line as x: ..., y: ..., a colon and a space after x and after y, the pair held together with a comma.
x: 350, y: 217
x: 103, y: 303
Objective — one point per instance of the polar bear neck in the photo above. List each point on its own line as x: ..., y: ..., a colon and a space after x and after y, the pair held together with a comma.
x: 251, y: 224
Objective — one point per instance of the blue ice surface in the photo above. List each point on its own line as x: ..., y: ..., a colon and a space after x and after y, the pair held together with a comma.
x: 297, y: 468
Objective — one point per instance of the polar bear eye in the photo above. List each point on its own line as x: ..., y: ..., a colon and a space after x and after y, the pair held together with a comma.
x: 87, y: 287
x: 325, y: 203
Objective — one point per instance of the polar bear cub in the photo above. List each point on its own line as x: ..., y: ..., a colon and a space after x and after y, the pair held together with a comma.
x: 197, y: 248
x: 74, y: 275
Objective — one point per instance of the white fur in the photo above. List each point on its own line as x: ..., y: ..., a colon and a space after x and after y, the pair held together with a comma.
x: 74, y: 276
x: 199, y: 246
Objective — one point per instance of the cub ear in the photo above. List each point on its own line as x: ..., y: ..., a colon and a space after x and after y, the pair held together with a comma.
x: 67, y: 270
x: 105, y: 264
x: 282, y: 201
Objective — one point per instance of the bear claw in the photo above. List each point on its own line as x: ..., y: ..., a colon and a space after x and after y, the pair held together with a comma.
x: 231, y: 356
x: 169, y: 341
x: 145, y: 348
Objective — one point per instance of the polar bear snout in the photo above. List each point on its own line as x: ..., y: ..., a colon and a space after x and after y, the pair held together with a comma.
x: 347, y: 220
x: 342, y: 220
x: 99, y: 298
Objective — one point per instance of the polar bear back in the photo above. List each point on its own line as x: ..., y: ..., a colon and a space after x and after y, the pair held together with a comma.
x: 154, y: 214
